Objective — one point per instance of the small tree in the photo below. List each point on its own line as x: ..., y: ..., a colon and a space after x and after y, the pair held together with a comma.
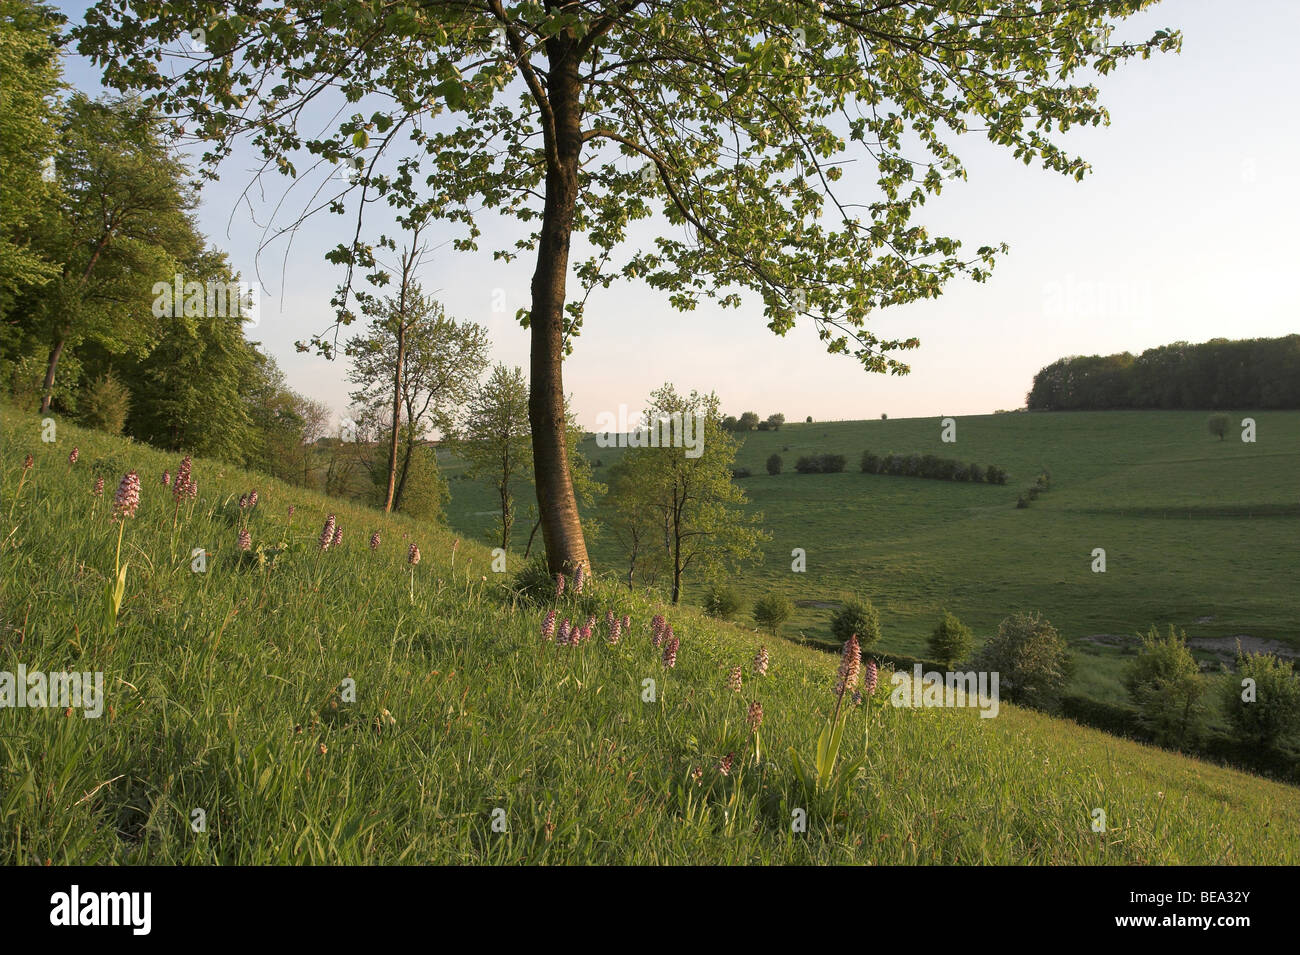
x: 774, y: 464
x: 774, y: 421
x: 1262, y: 702
x: 1218, y: 425
x: 772, y: 610
x: 951, y: 641
x: 857, y: 616
x: 722, y: 602
x: 808, y: 420
x: 105, y: 404
x: 1165, y: 684
x: 748, y: 421
x: 1031, y: 658
x: 497, y: 439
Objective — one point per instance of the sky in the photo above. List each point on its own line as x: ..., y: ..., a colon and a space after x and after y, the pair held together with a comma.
x: 1184, y: 231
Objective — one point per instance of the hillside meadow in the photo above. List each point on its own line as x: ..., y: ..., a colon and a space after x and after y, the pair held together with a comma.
x: 1199, y: 533
x: 345, y: 706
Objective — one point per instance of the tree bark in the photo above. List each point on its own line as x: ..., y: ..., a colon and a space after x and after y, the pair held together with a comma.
x: 397, y: 408
x: 47, y: 390
x: 557, y: 507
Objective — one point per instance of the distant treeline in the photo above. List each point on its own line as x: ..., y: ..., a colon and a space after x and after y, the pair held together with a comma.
x: 1252, y: 373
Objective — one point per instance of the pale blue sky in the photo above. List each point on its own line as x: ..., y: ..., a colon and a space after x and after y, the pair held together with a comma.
x: 1185, y: 230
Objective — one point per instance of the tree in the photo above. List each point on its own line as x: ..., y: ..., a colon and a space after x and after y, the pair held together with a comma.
x: 732, y: 121
x: 748, y: 421
x: 286, y: 423
x: 1032, y: 659
x: 857, y: 616
x: 951, y: 641
x: 495, y: 439
x: 772, y: 610
x: 774, y: 463
x: 122, y: 223
x: 1164, y: 682
x: 414, y: 367
x: 699, y: 509
x: 635, y: 523
x: 1218, y: 425
x: 730, y: 423
x: 722, y: 602
x: 29, y: 63
x: 1262, y: 699
x: 774, y: 421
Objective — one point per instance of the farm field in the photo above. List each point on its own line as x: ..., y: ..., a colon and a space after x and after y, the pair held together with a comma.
x: 1200, y: 533
x: 226, y: 692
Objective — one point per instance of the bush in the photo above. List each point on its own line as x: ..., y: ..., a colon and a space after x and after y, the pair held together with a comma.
x: 774, y: 464
x: 1165, y: 685
x: 534, y: 583
x: 105, y: 405
x: 425, y: 495
x: 870, y: 463
x: 808, y: 420
x: 951, y: 641
x: 722, y: 602
x: 1218, y: 425
x: 1267, y: 711
x: 856, y: 616
x: 740, y: 472
x: 820, y: 464
x: 772, y: 610
x: 1022, y: 502
x: 1031, y: 658
x: 975, y: 472
x: 883, y: 416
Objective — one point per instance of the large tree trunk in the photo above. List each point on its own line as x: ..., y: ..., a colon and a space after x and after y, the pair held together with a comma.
x: 556, y: 505
x: 47, y: 390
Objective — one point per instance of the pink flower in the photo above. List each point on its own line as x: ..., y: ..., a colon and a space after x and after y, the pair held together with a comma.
x: 99, y: 487
x: 760, y: 661
x: 627, y: 624
x: 657, y: 625
x: 755, y: 716
x: 252, y: 498
x: 327, y: 533
x: 562, y: 638
x: 850, y: 664
x: 670, y: 652
x: 577, y: 580
x: 733, y: 680
x: 613, y: 626
x: 869, y: 682
x: 166, y: 478
x: 374, y: 541
x: 181, y: 486
x: 413, y: 555
x: 338, y: 537
x: 559, y: 585
x: 548, y: 625
x: 245, y: 539
x: 73, y: 455
x: 28, y: 463
x: 724, y: 767
x: 127, y: 498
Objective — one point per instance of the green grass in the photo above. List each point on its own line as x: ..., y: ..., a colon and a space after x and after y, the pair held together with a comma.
x: 1192, y: 528
x: 219, y: 689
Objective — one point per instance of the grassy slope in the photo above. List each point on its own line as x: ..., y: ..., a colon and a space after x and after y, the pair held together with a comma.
x: 1192, y: 527
x: 210, y: 676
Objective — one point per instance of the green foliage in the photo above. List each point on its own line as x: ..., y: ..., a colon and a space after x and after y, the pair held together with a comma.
x: 774, y: 464
x: 1031, y: 658
x: 496, y: 439
x: 951, y: 641
x: 820, y: 464
x: 1266, y: 710
x: 747, y: 421
x: 105, y: 404
x: 425, y: 495
x: 722, y: 601
x: 930, y: 466
x: 1218, y: 425
x: 771, y: 611
x: 858, y: 616
x: 1165, y: 684
x: 774, y: 421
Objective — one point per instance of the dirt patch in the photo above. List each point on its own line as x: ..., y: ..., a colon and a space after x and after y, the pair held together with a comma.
x: 1226, y: 647
x: 818, y: 604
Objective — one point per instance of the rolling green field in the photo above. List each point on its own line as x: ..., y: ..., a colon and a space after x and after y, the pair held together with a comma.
x: 1200, y: 533
x: 227, y: 693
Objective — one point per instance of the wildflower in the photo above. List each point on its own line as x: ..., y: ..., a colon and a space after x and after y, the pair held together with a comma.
x: 591, y: 623
x: 869, y: 681
x: 99, y: 487
x: 252, y: 498
x: 374, y: 541
x: 245, y: 539
x: 166, y: 478
x: 670, y: 652
x: 857, y: 697
x: 657, y: 624
x: 733, y: 680
x: 73, y: 455
x: 577, y: 577
x: 292, y: 508
x: 724, y: 767
x: 697, y: 774
x: 28, y: 462
x: 760, y: 661
x: 755, y: 716
x: 548, y: 625
x: 192, y: 489
x: 850, y: 664
x: 181, y: 486
x: 338, y: 537
x: 327, y: 533
x: 127, y: 498
x: 413, y: 555
x: 614, y: 625
x: 626, y: 626
x: 562, y: 638
x: 243, y: 501
x: 559, y: 585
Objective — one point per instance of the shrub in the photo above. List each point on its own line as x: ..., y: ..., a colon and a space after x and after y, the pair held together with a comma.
x: 833, y: 463
x: 1164, y: 682
x: 1022, y: 502
x: 951, y: 641
x: 772, y: 610
x: 883, y: 416
x: 962, y: 473
x: 820, y: 464
x: 740, y: 472
x: 1218, y: 425
x: 533, y: 582
x: 975, y: 472
x: 856, y: 616
x: 808, y: 420
x: 1266, y: 711
x: 105, y: 405
x: 775, y: 421
x: 774, y: 464
x: 425, y: 495
x: 731, y: 423
x: 722, y: 602
x: 1031, y: 658
x: 912, y: 465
